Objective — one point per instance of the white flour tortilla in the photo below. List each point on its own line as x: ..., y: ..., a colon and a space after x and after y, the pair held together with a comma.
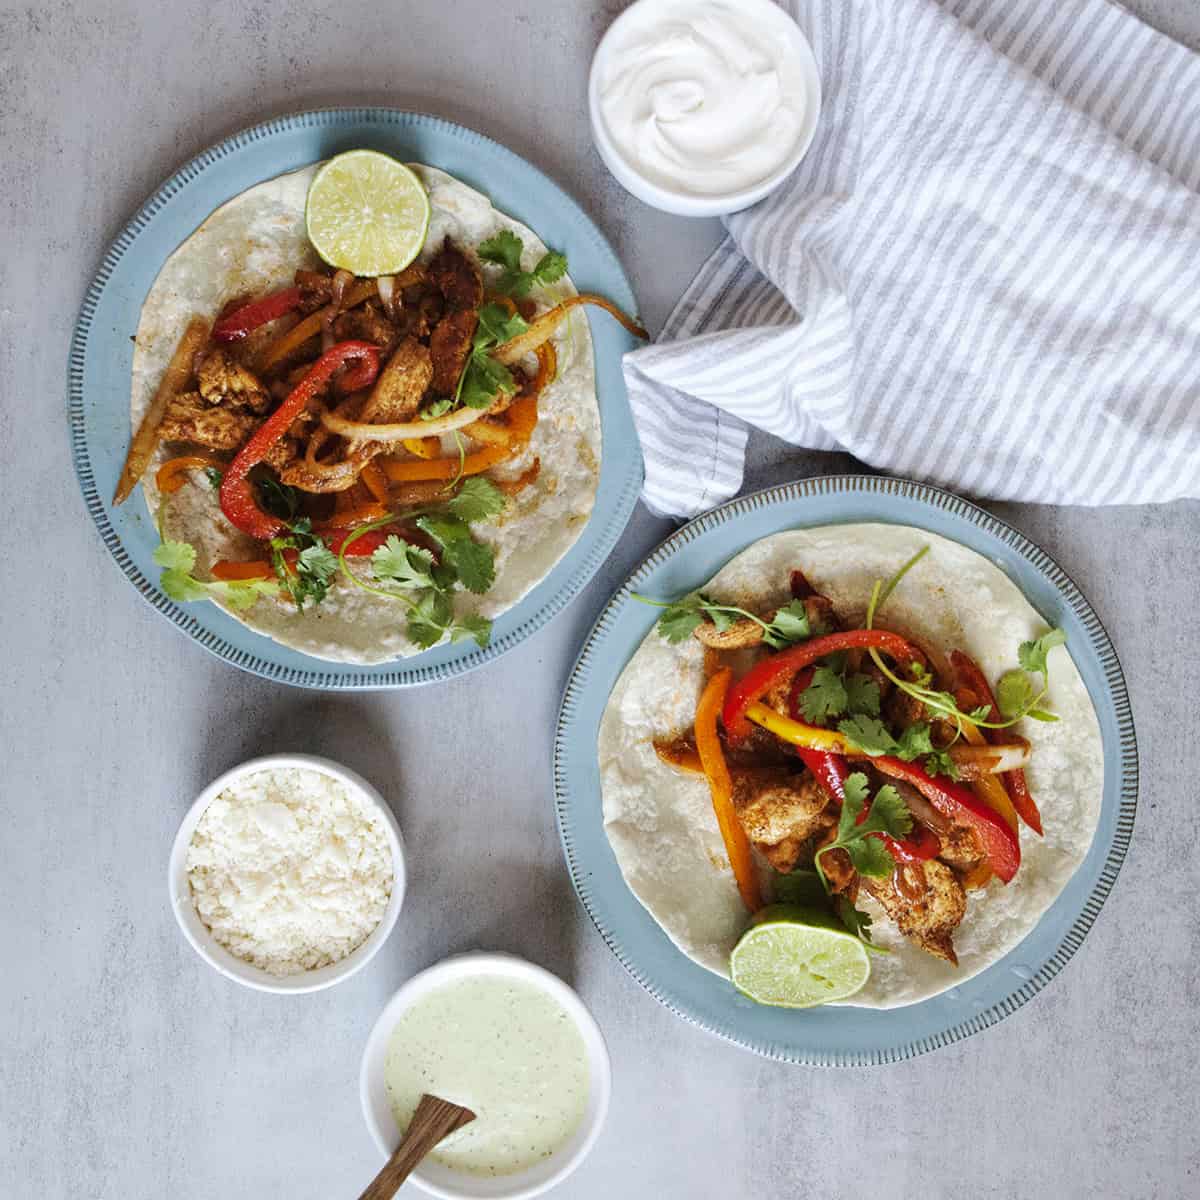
x: 661, y: 824
x: 253, y: 244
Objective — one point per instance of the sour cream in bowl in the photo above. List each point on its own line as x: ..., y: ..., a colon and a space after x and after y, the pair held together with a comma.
x: 702, y: 107
x: 508, y: 1040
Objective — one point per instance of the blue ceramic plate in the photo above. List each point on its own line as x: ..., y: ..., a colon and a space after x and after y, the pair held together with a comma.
x: 102, y: 355
x: 835, y: 1036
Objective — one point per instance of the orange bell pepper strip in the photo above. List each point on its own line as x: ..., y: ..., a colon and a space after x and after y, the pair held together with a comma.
x: 720, y: 784
x: 375, y: 481
x: 522, y: 417
x: 988, y: 787
x: 172, y: 475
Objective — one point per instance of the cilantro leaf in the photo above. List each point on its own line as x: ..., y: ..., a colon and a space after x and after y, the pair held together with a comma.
x: 215, y: 477
x: 482, y: 379
x: 679, y: 621
x: 403, y: 564
x: 496, y: 326
x: 799, y: 887
x: 472, y: 626
x: 888, y: 814
x: 914, y: 742
x: 1032, y: 655
x: 429, y: 618
x: 940, y: 763
x: 505, y: 249
x: 175, y: 556
x: 857, y: 922
x: 478, y: 500
x: 868, y: 734
x: 862, y: 694
x: 824, y: 697
x: 436, y: 408
x: 277, y: 498
x: 1015, y: 692
x: 473, y: 562
x: 789, y: 626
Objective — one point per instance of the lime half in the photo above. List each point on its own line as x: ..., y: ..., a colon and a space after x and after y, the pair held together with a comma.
x: 367, y: 213
x: 797, y: 957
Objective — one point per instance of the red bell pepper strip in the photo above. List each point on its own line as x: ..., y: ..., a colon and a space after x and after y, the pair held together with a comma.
x: 1018, y: 789
x: 764, y: 675
x: 961, y: 805
x: 237, y: 494
x: 831, y: 771
x: 237, y: 324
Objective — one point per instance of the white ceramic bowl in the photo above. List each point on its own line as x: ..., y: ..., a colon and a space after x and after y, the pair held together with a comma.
x: 213, y: 953
x: 456, y: 1185
x: 688, y: 204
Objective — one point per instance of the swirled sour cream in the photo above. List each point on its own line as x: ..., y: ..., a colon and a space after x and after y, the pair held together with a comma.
x: 703, y: 97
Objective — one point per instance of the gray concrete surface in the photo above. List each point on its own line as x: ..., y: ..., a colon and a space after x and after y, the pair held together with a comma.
x: 127, y: 1068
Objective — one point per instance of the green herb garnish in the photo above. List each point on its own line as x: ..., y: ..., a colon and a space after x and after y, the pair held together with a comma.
x: 178, y: 560
x: 681, y: 617
x: 504, y: 249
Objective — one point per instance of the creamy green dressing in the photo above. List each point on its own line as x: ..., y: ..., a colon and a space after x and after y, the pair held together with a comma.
x: 506, y: 1050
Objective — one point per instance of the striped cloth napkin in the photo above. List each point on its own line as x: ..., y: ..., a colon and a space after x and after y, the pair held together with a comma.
x: 985, y: 274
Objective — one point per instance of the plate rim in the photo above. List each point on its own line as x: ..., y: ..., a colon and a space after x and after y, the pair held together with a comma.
x: 1102, y: 646
x: 395, y: 673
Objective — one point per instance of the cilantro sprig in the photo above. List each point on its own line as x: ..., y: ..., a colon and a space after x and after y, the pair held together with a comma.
x: 414, y: 576
x: 178, y: 560
x: 832, y: 692
x: 1021, y: 697
x: 315, y: 566
x: 888, y: 815
x: 682, y: 617
x: 505, y: 249
x: 484, y: 378
x: 872, y: 737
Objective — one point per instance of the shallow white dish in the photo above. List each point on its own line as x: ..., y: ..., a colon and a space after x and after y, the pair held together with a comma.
x: 455, y: 1185
x: 686, y: 204
x: 213, y: 953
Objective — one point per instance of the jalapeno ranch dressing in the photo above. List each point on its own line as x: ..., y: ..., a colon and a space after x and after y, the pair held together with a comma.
x: 703, y: 97
x: 506, y: 1050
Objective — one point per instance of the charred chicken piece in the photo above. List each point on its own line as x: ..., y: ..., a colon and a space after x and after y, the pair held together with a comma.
x: 961, y: 848
x: 222, y: 381
x: 450, y: 347
x: 316, y: 289
x: 456, y: 277
x: 930, y: 917
x: 189, y: 418
x: 367, y: 323
x: 781, y: 811
x: 401, y: 385
x: 741, y: 635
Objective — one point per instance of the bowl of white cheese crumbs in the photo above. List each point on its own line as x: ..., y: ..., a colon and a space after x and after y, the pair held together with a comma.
x: 287, y: 874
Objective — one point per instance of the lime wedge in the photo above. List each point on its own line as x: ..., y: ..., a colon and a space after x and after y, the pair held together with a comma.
x: 367, y: 213
x: 795, y: 957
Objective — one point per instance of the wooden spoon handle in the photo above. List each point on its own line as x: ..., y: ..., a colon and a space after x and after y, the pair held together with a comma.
x: 433, y: 1120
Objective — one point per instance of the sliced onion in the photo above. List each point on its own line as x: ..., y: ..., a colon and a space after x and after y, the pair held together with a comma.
x: 542, y: 328
x: 365, y: 431
x: 987, y: 759
x: 386, y: 284
x: 342, y: 279
x: 921, y: 809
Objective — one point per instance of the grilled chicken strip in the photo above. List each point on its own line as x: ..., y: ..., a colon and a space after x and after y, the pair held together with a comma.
x: 401, y: 385
x: 367, y: 323
x: 456, y: 277
x: 781, y: 811
x: 222, y: 381
x: 450, y: 346
x: 189, y: 418
x: 931, y: 918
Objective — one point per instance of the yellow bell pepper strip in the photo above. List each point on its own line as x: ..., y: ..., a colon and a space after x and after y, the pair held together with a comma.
x: 764, y: 675
x: 796, y: 733
x: 426, y: 447
x: 172, y: 475
x: 522, y: 417
x: 720, y: 784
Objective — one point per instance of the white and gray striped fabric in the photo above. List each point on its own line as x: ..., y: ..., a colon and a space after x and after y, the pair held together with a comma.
x: 985, y: 274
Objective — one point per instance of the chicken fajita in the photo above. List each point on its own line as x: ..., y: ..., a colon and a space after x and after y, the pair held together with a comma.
x: 859, y: 733
x: 364, y: 465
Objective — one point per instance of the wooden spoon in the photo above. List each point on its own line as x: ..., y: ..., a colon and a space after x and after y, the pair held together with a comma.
x: 434, y: 1119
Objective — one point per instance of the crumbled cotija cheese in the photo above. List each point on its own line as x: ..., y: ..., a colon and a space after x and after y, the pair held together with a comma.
x: 290, y: 869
